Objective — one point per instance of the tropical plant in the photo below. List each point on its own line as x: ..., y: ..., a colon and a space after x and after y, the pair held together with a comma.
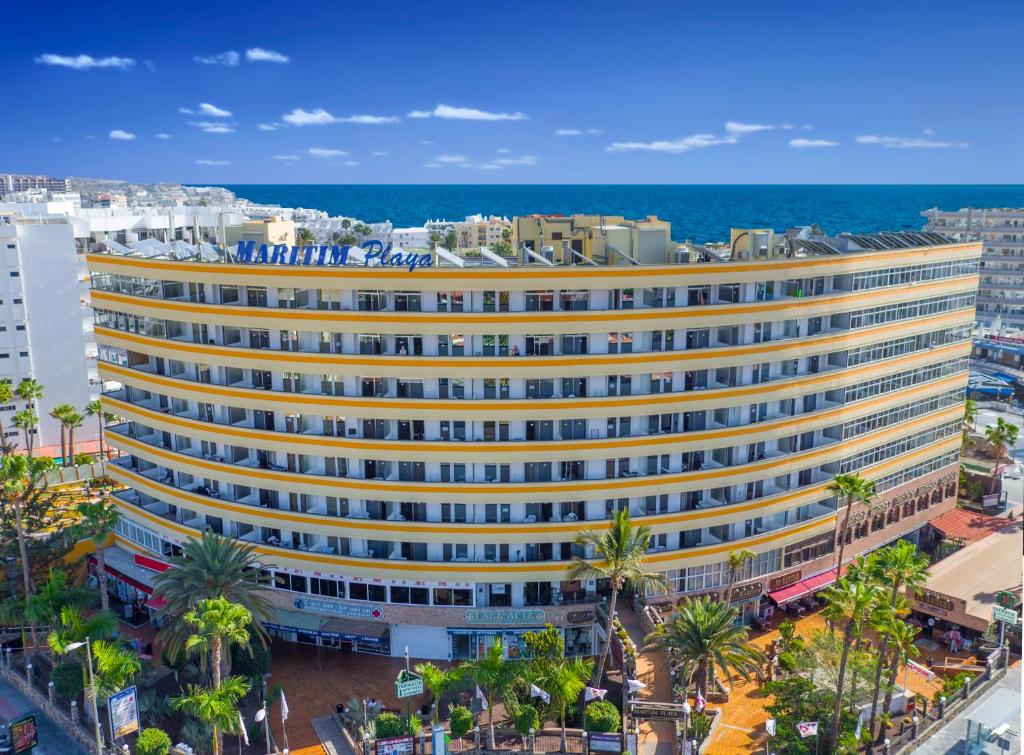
x: 735, y: 562
x: 703, y: 635
x: 67, y: 678
x: 215, y: 706
x: 44, y: 606
x: 30, y: 391
x: 601, y: 716
x: 899, y: 567
x: 951, y: 685
x: 1002, y: 436
x: 71, y: 421
x: 389, y: 725
x: 97, y: 520
x: 525, y: 718
x: 20, y: 478
x: 564, y: 680
x: 197, y: 734
x: 853, y: 488
x: 450, y: 240
x: 152, y: 741
x: 460, y: 720
x: 59, y: 412
x: 850, y: 602
x: 970, y: 413
x: 95, y: 409
x: 435, y: 239
x: 218, y: 622
x: 115, y: 667
x: 901, y: 648
x: 73, y: 626
x: 700, y: 725
x: 250, y: 659
x: 619, y: 556
x: 210, y: 567
x: 798, y: 698
x: 493, y: 675
x: 304, y: 237
x: 26, y: 421
x: 438, y: 681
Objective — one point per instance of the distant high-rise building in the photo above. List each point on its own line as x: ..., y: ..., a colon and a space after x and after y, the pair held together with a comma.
x: 12, y: 182
x: 1001, y: 231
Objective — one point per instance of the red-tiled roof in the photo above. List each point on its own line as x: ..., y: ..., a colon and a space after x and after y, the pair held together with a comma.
x: 969, y: 526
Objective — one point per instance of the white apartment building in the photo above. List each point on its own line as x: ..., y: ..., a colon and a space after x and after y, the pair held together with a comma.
x: 414, y: 237
x: 473, y: 231
x: 46, y: 327
x: 1001, y: 231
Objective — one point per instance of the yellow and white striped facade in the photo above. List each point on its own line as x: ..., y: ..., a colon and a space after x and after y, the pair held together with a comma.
x: 432, y: 441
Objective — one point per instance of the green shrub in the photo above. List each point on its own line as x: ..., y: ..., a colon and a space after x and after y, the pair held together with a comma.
x: 951, y: 685
x: 389, y: 725
x: 251, y: 662
x: 601, y: 716
x: 67, y: 679
x: 796, y: 645
x: 526, y: 718
x: 198, y: 734
x: 460, y: 721
x: 153, y: 742
x: 787, y: 661
x: 700, y: 723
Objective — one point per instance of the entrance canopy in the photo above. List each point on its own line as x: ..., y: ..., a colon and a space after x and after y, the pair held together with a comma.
x: 353, y: 630
x: 808, y: 586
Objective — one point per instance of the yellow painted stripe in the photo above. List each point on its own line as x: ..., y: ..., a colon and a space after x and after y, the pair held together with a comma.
x: 470, y: 450
x: 389, y: 408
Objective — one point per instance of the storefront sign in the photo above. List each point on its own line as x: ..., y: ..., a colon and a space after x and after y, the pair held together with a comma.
x: 605, y: 742
x: 785, y: 580
x: 408, y: 684
x: 338, y: 609
x: 935, y: 599
x: 24, y: 735
x: 151, y: 563
x: 395, y: 746
x: 746, y: 592
x: 1006, y: 615
x: 372, y: 252
x: 1006, y: 599
x: 657, y: 711
x: 124, y: 712
x: 504, y: 617
x: 579, y: 617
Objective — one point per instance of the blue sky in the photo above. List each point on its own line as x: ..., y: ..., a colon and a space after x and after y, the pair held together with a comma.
x: 555, y: 92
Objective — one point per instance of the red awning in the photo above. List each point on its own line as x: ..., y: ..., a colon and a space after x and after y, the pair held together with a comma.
x: 124, y: 577
x: 151, y: 563
x: 156, y: 602
x: 806, y: 587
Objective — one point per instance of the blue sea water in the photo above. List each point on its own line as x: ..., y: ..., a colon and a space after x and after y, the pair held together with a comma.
x: 700, y: 213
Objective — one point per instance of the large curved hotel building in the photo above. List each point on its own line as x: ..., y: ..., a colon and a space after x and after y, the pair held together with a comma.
x: 412, y: 453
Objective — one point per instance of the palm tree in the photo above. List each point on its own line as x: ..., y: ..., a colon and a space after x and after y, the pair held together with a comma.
x: 72, y: 626
x: 30, y: 391
x: 217, y: 706
x: 95, y: 409
x: 96, y: 521
x: 901, y: 637
x: 71, y: 420
x: 115, y: 668
x: 850, y: 601
x: 304, y: 237
x: 701, y: 635
x: 438, y: 681
x: 619, y: 553
x: 59, y: 412
x: 218, y: 622
x: 564, y: 679
x: 1002, y: 436
x: 346, y: 223
x: 899, y: 567
x: 970, y: 413
x: 210, y: 567
x: 26, y: 421
x: 737, y: 559
x: 854, y: 488
x: 435, y: 239
x: 20, y: 478
x: 493, y: 675
x: 451, y: 240
x: 44, y: 606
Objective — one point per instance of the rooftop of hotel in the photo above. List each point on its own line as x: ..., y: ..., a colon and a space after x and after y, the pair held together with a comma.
x: 803, y: 242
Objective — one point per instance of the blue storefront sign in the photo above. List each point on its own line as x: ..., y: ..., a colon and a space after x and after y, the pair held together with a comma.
x: 372, y: 252
x: 338, y: 609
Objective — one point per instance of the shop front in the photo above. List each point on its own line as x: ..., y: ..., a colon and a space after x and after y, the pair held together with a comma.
x: 130, y: 580
x: 471, y: 642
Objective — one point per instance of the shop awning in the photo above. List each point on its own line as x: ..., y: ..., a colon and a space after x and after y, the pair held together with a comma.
x: 296, y: 621
x: 805, y: 587
x: 156, y: 603
x: 968, y: 526
x: 354, y: 629
x: 121, y: 564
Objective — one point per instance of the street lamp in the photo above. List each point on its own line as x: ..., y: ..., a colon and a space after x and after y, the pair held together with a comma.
x: 92, y: 686
x: 261, y: 715
x: 686, y: 720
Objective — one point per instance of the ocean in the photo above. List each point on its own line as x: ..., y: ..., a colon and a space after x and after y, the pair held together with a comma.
x: 697, y: 212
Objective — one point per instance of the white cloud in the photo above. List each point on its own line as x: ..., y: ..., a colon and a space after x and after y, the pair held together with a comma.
x: 162, y: 135
x: 213, y: 162
x: 287, y: 157
x: 502, y: 150
x: 674, y: 146
x: 325, y: 152
x: 908, y: 142
x: 267, y: 127
x: 786, y: 126
x: 811, y: 143
x: 450, y: 159
x: 85, y: 62
x: 745, y: 128
x: 205, y: 108
x: 929, y: 132
x: 448, y: 112
x: 186, y: 111
x: 567, y: 132
x: 90, y: 137
x: 433, y: 165
x: 320, y: 117
x: 213, y: 127
x: 149, y: 64
x: 121, y: 135
x: 489, y: 166
x: 595, y: 130
x: 379, y: 154
x: 226, y: 58
x: 426, y: 142
x: 351, y: 163
x: 524, y: 160
x: 261, y: 55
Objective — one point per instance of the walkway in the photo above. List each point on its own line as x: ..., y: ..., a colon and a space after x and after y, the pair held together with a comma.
x: 52, y: 739
x: 656, y: 737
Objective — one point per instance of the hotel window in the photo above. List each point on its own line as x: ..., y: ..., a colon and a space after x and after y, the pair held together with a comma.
x: 540, y: 301
x: 573, y: 429
x: 496, y: 431
x: 543, y: 388
x: 540, y: 345
x: 698, y: 295
x: 370, y: 301
x: 407, y: 301
x: 409, y: 388
x: 663, y: 340
x: 453, y: 430
x: 574, y: 300
x: 417, y: 596
x: 256, y: 296
x: 455, y: 552
x: 451, y: 345
x: 574, y: 344
x: 453, y: 473
x: 453, y: 512
x: 496, y: 388
x: 623, y: 298
x: 444, y: 596
x: 451, y: 388
x: 449, y: 301
x: 495, y: 301
x: 620, y: 385
x: 495, y: 346
x: 259, y: 339
x: 498, y: 473
x: 620, y: 343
